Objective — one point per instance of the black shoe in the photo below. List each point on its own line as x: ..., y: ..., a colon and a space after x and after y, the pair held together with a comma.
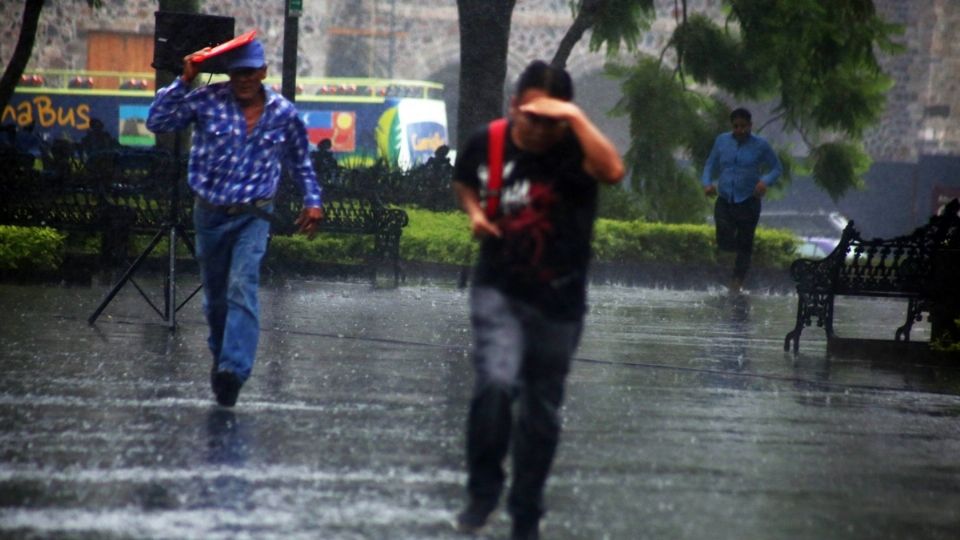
x: 473, y: 518
x: 525, y: 530
x: 226, y: 386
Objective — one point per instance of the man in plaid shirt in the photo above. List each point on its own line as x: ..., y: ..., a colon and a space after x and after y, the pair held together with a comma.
x: 242, y: 133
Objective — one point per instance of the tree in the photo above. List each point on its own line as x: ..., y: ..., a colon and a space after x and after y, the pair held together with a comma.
x: 28, y: 33
x: 815, y: 58
x: 21, y: 53
x: 484, y: 35
x: 613, y: 22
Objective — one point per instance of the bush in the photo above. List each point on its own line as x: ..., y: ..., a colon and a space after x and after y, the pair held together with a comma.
x: 445, y: 238
x: 639, y: 242
x: 442, y: 237
x: 619, y: 202
x: 38, y: 249
x: 297, y: 251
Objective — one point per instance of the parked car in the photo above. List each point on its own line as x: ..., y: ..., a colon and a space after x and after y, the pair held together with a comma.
x: 819, y: 232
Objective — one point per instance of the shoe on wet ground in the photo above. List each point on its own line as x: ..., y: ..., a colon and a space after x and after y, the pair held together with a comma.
x: 473, y: 518
x: 226, y: 387
x: 735, y: 286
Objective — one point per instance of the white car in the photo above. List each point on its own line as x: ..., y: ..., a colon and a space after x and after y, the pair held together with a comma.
x: 819, y: 232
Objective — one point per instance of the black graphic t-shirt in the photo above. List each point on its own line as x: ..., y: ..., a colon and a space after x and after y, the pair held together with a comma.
x: 546, y: 213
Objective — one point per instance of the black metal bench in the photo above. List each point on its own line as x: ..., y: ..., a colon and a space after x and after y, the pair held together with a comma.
x: 118, y: 193
x: 916, y: 267
x: 350, y: 211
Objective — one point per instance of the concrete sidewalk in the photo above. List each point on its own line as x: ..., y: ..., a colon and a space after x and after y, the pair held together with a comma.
x: 684, y: 419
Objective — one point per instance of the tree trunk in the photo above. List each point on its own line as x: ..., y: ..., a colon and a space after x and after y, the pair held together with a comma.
x: 22, y: 52
x: 484, y: 37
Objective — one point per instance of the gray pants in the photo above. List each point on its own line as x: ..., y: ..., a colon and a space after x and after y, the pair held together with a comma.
x: 519, y: 355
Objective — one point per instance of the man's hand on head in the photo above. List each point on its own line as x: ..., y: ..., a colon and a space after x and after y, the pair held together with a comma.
x: 556, y: 109
x: 191, y: 68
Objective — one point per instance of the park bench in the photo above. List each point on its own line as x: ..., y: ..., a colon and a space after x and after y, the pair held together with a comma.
x: 131, y: 191
x: 920, y: 267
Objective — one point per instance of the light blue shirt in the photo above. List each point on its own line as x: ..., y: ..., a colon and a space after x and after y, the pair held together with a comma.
x: 227, y: 164
x: 740, y: 166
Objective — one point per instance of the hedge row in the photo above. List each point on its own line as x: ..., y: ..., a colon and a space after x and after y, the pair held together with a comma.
x: 444, y: 237
x: 38, y: 249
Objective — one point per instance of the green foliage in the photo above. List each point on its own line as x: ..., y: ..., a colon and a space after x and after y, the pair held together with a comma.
x: 838, y: 167
x: 821, y: 53
x: 34, y: 248
x: 945, y: 343
x: 618, y: 202
x: 665, y: 123
x: 711, y: 54
x: 442, y: 237
x: 618, y: 22
x: 817, y: 57
x: 689, y: 244
x: 297, y: 251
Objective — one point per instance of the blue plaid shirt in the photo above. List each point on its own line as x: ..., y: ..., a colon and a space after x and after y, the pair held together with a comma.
x: 228, y: 165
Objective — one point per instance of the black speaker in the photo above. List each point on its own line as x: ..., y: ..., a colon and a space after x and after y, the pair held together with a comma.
x: 179, y: 34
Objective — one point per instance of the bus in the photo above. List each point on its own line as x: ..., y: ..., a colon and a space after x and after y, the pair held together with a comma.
x: 401, y: 122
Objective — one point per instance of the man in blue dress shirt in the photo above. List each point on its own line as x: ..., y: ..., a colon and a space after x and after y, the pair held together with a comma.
x: 739, y: 170
x: 242, y: 133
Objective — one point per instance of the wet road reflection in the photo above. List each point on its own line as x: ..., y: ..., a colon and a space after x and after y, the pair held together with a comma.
x: 684, y: 419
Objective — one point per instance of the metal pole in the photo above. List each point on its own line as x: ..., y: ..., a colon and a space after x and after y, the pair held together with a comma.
x: 393, y: 38
x: 171, y: 296
x: 291, y: 26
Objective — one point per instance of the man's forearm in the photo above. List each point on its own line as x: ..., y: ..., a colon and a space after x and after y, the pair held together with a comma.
x: 468, y: 197
x: 601, y: 159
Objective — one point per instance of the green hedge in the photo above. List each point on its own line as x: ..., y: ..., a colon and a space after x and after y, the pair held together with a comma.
x: 639, y: 241
x: 38, y: 249
x: 439, y: 237
x: 299, y: 252
x: 444, y: 237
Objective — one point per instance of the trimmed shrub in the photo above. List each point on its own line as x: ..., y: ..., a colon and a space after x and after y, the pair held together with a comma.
x: 37, y: 249
x: 441, y: 237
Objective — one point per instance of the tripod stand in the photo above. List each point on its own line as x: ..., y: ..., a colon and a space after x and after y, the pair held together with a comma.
x: 171, y: 228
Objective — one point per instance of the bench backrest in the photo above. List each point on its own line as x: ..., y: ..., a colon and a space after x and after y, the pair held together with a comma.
x: 904, y: 264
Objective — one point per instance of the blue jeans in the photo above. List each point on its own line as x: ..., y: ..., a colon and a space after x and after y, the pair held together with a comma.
x: 229, y: 249
x: 519, y: 355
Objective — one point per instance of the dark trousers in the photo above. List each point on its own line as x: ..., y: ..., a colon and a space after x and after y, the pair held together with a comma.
x: 522, y: 358
x: 736, y: 225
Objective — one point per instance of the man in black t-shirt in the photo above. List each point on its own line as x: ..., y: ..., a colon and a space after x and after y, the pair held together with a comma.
x: 529, y: 289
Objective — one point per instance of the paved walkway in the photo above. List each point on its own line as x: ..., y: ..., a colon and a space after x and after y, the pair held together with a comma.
x: 684, y: 420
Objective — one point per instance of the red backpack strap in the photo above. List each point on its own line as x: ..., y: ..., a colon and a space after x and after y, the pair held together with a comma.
x: 496, y: 133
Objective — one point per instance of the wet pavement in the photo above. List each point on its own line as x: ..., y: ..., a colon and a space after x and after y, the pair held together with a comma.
x: 684, y: 419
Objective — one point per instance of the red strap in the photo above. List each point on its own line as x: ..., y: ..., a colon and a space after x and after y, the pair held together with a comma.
x: 497, y: 134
